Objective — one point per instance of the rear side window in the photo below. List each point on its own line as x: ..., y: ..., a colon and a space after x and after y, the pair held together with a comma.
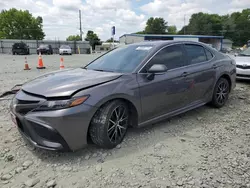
x: 196, y: 53
x: 172, y: 56
x: 209, y: 54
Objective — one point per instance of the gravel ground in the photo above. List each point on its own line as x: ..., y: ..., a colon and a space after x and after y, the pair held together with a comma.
x: 205, y: 147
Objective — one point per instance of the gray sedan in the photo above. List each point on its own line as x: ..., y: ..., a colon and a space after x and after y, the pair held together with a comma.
x: 131, y: 86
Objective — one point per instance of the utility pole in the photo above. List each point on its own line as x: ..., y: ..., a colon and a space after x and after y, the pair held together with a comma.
x: 184, y: 24
x: 80, y: 19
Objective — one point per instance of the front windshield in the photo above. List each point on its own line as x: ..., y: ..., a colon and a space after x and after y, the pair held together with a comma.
x: 123, y: 59
x: 65, y: 47
x: 43, y: 46
x: 245, y: 52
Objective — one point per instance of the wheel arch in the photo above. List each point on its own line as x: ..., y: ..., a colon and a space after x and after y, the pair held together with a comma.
x: 228, y: 78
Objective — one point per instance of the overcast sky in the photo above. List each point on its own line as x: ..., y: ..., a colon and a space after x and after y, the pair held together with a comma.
x: 61, y: 19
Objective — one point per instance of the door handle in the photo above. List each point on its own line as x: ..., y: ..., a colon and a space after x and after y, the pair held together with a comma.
x: 214, y: 66
x: 184, y: 74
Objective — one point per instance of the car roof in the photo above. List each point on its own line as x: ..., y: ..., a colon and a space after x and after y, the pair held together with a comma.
x: 152, y: 43
x: 19, y: 43
x: 161, y: 43
x: 164, y: 42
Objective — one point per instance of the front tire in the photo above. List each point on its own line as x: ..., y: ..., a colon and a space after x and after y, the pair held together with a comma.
x: 109, y: 125
x: 221, y: 93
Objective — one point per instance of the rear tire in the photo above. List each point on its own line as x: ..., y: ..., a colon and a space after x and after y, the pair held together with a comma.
x: 221, y: 93
x: 109, y: 125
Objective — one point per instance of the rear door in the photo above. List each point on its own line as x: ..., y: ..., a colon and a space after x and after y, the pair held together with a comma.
x: 167, y: 91
x: 200, y: 74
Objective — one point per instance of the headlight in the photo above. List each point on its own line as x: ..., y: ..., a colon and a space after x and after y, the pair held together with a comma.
x: 61, y: 104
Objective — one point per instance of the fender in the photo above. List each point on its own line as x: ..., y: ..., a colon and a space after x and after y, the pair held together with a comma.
x: 134, y: 101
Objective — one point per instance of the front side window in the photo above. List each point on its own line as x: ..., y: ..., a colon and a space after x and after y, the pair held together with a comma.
x: 43, y: 46
x: 172, y: 57
x: 123, y: 59
x: 65, y: 47
x: 195, y: 53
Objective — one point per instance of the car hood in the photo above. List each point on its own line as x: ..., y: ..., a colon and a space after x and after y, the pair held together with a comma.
x: 67, y: 82
x: 240, y: 60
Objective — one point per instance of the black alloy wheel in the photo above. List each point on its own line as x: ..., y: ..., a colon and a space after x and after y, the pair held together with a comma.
x: 118, y: 123
x: 110, y: 123
x: 221, y: 93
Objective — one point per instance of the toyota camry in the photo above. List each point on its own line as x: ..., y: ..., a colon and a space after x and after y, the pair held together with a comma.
x: 130, y: 86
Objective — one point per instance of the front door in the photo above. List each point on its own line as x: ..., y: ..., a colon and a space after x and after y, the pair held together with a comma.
x: 167, y: 91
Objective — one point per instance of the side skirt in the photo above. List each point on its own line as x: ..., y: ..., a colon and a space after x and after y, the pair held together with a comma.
x: 173, y: 113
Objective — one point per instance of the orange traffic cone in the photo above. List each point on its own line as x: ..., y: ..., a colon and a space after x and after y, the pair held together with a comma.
x: 26, y: 65
x: 61, y: 63
x: 40, y: 62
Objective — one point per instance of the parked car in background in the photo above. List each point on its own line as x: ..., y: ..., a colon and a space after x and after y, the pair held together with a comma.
x: 133, y: 85
x: 226, y: 50
x: 45, y: 49
x: 243, y: 64
x: 20, y: 48
x: 65, y: 49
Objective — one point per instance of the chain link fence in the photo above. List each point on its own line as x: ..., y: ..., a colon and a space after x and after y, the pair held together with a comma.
x: 82, y: 47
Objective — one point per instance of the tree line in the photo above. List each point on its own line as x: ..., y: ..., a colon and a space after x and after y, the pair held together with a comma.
x: 19, y: 24
x: 235, y: 26
x: 90, y: 36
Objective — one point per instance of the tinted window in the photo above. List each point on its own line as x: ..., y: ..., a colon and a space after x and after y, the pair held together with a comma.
x: 65, y: 47
x: 122, y: 59
x: 20, y: 45
x: 195, y: 53
x: 245, y: 52
x: 43, y: 46
x: 209, y: 54
x: 172, y: 57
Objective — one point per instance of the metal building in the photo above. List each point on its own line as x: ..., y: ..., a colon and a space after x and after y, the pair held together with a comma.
x: 227, y: 44
x: 214, y: 41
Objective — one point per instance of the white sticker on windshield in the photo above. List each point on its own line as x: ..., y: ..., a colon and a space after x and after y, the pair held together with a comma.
x: 144, y: 48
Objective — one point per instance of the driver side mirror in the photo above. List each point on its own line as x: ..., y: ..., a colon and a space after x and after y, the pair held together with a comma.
x: 236, y: 54
x: 156, y: 69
